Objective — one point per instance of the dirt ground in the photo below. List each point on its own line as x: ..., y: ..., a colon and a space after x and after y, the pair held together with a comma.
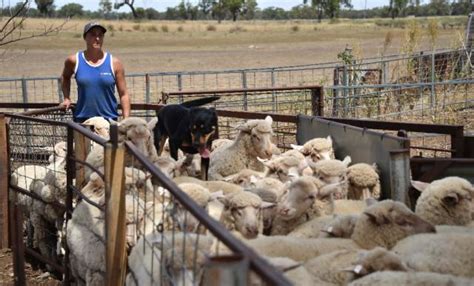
x: 33, y: 277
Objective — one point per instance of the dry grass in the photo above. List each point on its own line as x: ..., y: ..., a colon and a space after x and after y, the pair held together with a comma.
x: 184, y: 45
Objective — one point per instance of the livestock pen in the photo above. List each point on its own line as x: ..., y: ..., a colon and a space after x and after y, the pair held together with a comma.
x: 29, y: 139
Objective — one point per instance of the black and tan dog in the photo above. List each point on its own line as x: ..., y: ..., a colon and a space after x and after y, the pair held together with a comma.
x: 188, y: 127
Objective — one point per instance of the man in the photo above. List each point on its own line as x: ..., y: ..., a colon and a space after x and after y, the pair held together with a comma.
x: 97, y: 74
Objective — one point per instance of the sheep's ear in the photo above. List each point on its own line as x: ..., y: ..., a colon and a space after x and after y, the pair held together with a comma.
x: 266, y: 205
x: 223, y: 200
x: 375, y: 217
x: 152, y: 123
x: 285, y: 265
x: 229, y: 178
x: 269, y: 119
x: 263, y: 161
x: 451, y: 199
x: 297, y: 147
x: 244, y: 127
x: 375, y: 167
x: 329, y: 139
x: 357, y: 269
x: 419, y: 186
x: 347, y: 160
x: 216, y: 195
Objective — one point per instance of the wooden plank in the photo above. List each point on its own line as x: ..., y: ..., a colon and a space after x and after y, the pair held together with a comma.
x: 18, y: 249
x: 81, y: 148
x: 4, y: 207
x: 116, y: 258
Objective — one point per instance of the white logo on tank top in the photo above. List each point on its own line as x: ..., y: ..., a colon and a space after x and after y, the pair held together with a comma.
x: 105, y: 73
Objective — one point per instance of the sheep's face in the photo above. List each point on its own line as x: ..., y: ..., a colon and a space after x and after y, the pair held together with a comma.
x: 243, y: 213
x: 389, y: 222
x: 245, y: 178
x: 332, y: 172
x: 317, y: 149
x: 138, y: 131
x: 299, y: 198
x: 100, y: 126
x: 283, y: 168
x: 260, y: 133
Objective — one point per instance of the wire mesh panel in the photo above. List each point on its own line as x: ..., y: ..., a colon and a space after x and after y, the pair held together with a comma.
x: 37, y: 152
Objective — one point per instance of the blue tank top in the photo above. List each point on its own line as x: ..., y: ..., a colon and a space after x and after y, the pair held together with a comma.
x: 95, y: 88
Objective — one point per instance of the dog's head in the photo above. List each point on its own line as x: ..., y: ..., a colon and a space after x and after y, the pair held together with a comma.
x: 203, y: 125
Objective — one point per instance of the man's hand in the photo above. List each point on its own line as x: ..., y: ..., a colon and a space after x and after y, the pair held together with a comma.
x: 66, y: 103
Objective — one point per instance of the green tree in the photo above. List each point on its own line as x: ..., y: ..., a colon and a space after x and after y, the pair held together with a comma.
x: 205, y: 6
x: 249, y: 10
x: 218, y: 10
x: 234, y: 7
x: 397, y: 7
x: 71, y: 10
x: 105, y: 7
x: 319, y: 5
x: 45, y: 7
x: 152, y: 14
x: 333, y: 7
x: 129, y: 3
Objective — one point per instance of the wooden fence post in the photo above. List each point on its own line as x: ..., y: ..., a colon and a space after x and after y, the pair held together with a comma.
x: 4, y: 167
x: 116, y: 256
x: 81, y: 148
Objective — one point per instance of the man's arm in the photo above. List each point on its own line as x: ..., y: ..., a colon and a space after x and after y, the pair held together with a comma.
x: 122, y: 87
x: 68, y: 71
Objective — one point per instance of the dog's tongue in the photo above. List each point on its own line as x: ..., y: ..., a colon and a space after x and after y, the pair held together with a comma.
x: 204, y: 152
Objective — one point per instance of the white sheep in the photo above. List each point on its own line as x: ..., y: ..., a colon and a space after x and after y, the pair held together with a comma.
x: 364, y: 182
x: 242, y: 212
x: 446, y: 201
x: 245, y: 178
x: 341, y: 226
x: 300, y: 204
x: 254, y: 140
x: 382, y: 224
x: 316, y: 149
x: 212, y: 186
x: 99, y: 125
x: 447, y: 253
x: 333, y: 171
x: 220, y: 143
x: 396, y: 278
x: 181, y: 255
x: 284, y: 168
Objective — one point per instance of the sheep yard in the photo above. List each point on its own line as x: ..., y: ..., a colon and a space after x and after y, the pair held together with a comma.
x: 314, y: 167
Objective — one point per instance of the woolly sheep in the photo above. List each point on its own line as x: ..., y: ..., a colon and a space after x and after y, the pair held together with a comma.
x: 364, y: 182
x: 242, y: 212
x: 346, y: 207
x: 212, y: 186
x: 395, y: 278
x: 178, y: 254
x: 446, y: 201
x: 254, y: 140
x: 220, y: 143
x: 337, y: 267
x: 382, y: 224
x: 245, y: 178
x: 341, y: 226
x: 299, y: 205
x: 446, y: 253
x: 333, y: 171
x: 316, y: 149
x: 284, y: 168
x: 100, y: 126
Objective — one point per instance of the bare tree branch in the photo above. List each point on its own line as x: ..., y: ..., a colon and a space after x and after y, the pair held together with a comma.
x: 11, y: 30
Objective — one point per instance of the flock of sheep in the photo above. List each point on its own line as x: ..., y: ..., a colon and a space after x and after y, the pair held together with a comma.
x: 315, y: 218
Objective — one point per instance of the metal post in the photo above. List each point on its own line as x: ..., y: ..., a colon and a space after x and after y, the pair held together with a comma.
x: 400, y: 175
x: 70, y: 173
x: 147, y: 92
x: 24, y: 90
x: 317, y: 102
x: 433, y: 99
x: 60, y: 91
x: 180, y: 86
x: 344, y: 90
x: 274, y: 102
x: 244, y: 85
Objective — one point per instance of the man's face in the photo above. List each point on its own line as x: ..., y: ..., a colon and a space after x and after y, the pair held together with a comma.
x: 95, y: 38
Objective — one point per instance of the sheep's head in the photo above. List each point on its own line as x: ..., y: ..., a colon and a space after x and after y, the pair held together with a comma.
x: 99, y: 125
x: 283, y: 168
x: 332, y: 172
x: 446, y: 201
x: 341, y: 226
x: 198, y: 194
x: 260, y: 132
x: 301, y: 195
x: 243, y: 213
x: 168, y: 166
x: 317, y: 149
x: 364, y: 181
x: 377, y: 259
x: 138, y: 131
x: 184, y: 258
x: 245, y: 178
x: 387, y: 222
x: 138, y: 181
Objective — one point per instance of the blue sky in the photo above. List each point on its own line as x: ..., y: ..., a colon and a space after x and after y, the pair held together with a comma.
x: 161, y: 5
